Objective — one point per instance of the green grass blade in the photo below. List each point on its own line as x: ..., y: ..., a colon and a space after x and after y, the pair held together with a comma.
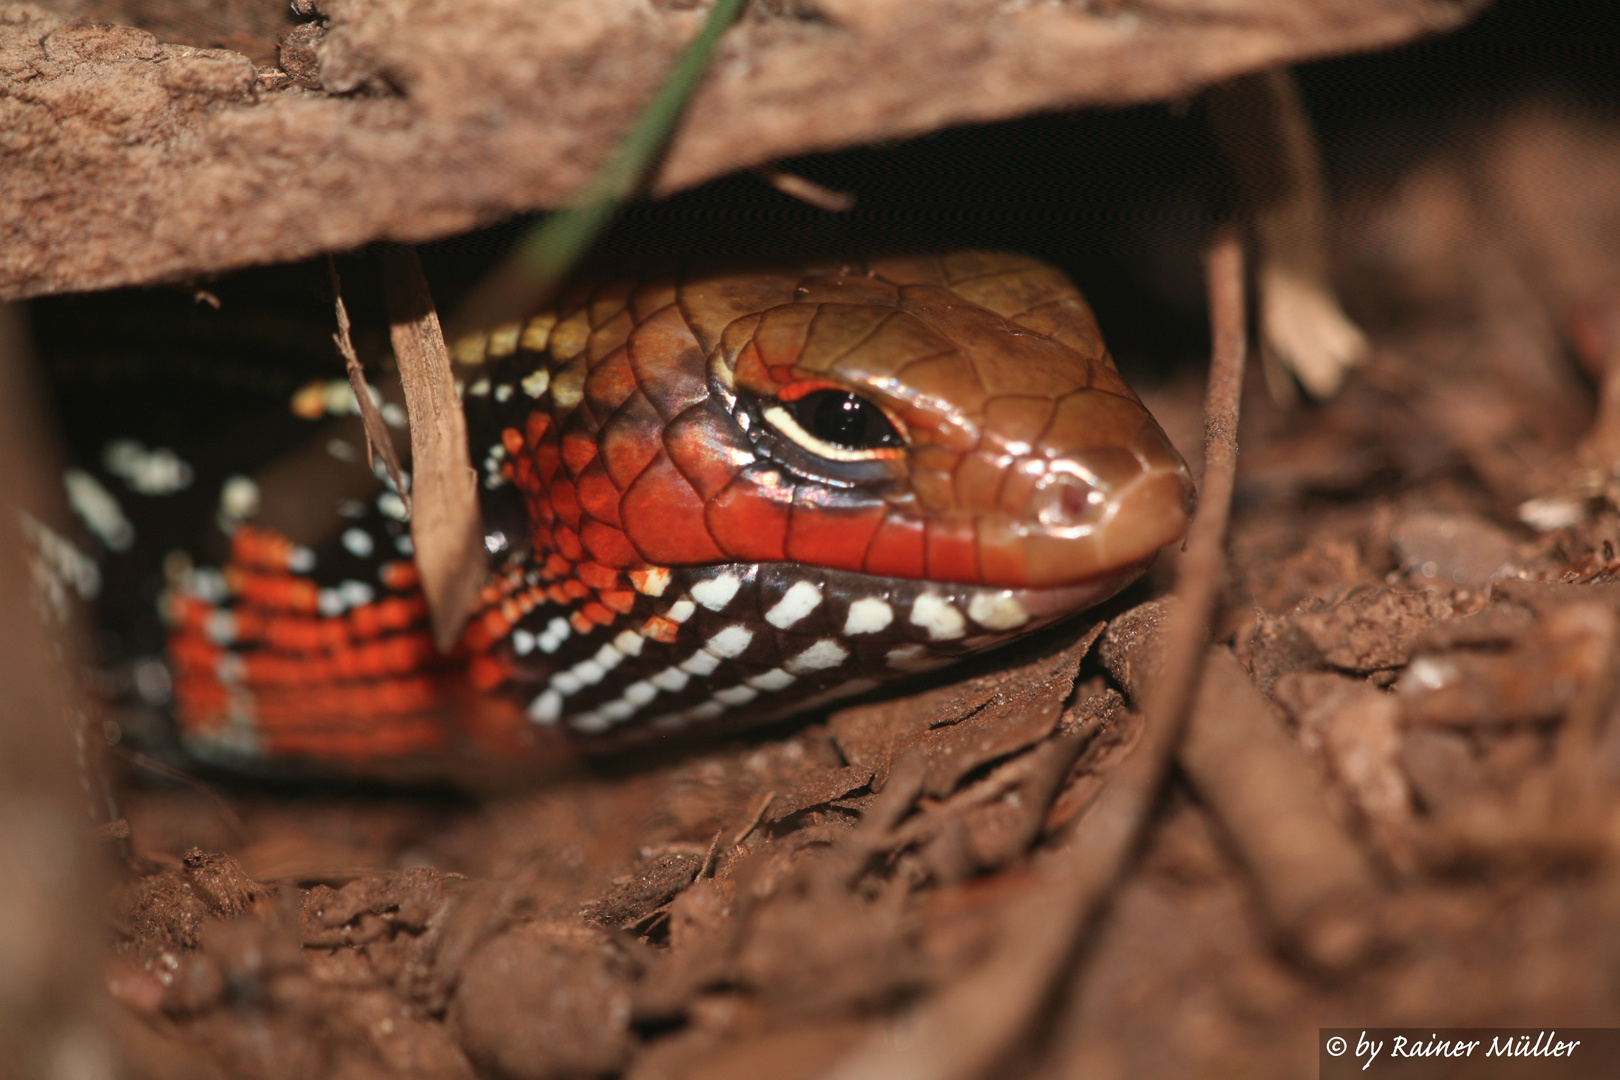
x: 553, y: 247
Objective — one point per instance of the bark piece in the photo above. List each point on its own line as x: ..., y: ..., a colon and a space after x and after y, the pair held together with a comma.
x: 127, y: 160
x: 446, y: 523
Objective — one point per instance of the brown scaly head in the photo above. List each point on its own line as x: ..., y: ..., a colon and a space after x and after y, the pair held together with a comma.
x: 720, y: 497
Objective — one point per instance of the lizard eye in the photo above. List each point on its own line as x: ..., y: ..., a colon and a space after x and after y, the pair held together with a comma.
x: 837, y: 425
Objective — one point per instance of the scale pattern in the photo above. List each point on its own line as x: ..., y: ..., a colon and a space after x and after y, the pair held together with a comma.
x: 670, y: 550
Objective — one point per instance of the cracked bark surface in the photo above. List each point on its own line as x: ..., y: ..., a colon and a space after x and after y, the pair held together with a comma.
x: 148, y: 140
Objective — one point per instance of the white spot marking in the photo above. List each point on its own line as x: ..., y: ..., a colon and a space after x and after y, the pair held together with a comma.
x: 403, y: 545
x: 701, y: 663
x: 618, y: 710
x: 997, y: 611
x: 736, y: 695
x: 358, y: 542
x: 680, y: 611
x: 300, y: 560
x: 868, y: 615
x: 824, y: 654
x: 392, y: 506
x: 730, y: 642
x: 147, y: 472
x: 522, y: 642
x: 640, y: 692
x: 673, y: 679
x: 239, y: 498
x: 938, y: 616
x: 795, y: 604
x: 479, y: 388
x: 503, y: 392
x: 356, y: 593
x: 546, y: 708
x: 629, y: 642
x: 609, y: 657
x: 329, y: 602
x: 99, y: 510
x: 589, y: 672
x: 706, y: 711
x: 566, y: 682
x: 339, y: 398
x: 556, y: 632
x: 716, y: 593
x: 221, y: 628
x: 535, y: 383
x: 592, y: 723
x: 651, y: 581
x: 208, y: 585
x: 773, y: 680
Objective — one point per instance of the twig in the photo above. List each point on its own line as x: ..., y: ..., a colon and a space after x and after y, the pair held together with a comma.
x: 970, y: 1026
x: 1202, y: 571
x: 378, y: 441
x: 1261, y: 124
x: 446, y: 525
x: 711, y: 856
x: 753, y: 819
x: 808, y: 191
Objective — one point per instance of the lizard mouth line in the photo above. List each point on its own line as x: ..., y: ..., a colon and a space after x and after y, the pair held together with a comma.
x: 769, y: 639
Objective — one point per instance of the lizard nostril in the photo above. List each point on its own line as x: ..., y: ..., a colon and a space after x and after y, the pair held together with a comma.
x: 1066, y: 502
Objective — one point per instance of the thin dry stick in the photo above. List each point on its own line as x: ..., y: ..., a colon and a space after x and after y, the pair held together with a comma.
x: 753, y: 819
x: 446, y: 525
x: 1203, y: 565
x: 963, y: 1032
x: 1263, y: 127
x: 378, y: 442
x: 808, y: 191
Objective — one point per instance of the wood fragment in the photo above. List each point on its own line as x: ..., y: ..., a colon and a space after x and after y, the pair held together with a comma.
x: 1261, y: 123
x: 48, y: 892
x: 754, y: 818
x: 446, y: 525
x: 808, y: 191
x: 378, y: 442
x: 81, y: 200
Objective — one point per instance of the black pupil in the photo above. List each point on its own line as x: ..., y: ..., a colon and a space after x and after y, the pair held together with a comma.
x: 844, y: 420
